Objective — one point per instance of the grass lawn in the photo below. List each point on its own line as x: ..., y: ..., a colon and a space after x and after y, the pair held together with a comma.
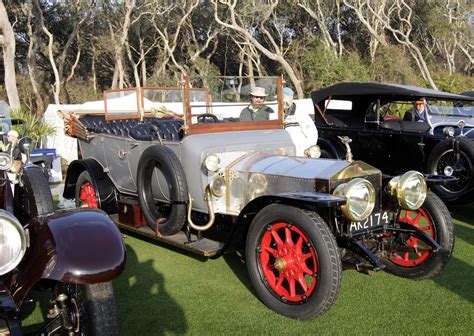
x: 166, y: 291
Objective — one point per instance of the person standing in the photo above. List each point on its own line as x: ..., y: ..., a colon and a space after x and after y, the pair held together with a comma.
x: 12, y: 146
x: 257, y: 110
x: 298, y: 124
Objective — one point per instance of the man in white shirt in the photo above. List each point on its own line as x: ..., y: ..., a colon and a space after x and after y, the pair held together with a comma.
x: 298, y: 124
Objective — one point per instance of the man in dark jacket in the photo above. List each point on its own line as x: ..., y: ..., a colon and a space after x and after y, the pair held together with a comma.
x: 418, y: 112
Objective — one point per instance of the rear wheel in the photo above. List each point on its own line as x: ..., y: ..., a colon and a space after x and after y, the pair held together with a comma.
x: 293, y: 261
x: 414, y: 259
x: 86, y: 192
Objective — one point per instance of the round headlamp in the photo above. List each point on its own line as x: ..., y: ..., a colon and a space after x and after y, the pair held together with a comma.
x: 218, y: 186
x: 5, y: 161
x: 257, y: 185
x: 448, y: 131
x: 313, y: 152
x: 13, y: 242
x: 360, y: 195
x: 409, y: 189
x: 212, y: 162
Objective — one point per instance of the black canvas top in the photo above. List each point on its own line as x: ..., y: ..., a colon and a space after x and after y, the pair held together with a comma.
x: 382, y: 90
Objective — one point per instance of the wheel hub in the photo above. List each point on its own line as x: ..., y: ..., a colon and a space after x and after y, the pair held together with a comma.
x: 280, y: 264
x: 448, y: 170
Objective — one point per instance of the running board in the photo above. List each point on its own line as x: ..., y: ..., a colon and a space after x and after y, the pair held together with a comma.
x: 204, y: 246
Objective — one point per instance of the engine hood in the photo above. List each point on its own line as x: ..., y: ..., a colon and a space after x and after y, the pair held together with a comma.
x: 302, y: 168
x: 257, y: 174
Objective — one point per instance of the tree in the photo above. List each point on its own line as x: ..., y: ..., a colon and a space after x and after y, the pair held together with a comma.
x: 260, y: 27
x: 7, y: 42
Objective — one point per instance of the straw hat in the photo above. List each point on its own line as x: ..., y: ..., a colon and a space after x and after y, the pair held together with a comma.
x: 258, y: 91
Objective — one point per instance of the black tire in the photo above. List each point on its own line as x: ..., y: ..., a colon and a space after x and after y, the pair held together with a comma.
x: 170, y: 215
x: 32, y: 193
x: 95, y: 306
x: 442, y: 156
x: 326, y: 154
x: 320, y: 246
x: 434, y: 219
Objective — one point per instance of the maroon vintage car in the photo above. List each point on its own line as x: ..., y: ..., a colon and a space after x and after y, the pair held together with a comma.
x: 69, y: 256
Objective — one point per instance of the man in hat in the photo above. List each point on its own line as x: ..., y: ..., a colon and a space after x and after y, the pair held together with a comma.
x: 257, y: 110
x: 298, y: 124
x: 417, y: 112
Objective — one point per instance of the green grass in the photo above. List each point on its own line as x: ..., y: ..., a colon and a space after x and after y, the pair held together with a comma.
x: 166, y: 291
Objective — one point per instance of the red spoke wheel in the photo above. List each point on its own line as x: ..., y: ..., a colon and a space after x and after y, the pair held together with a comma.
x: 289, y: 262
x: 293, y: 261
x: 409, y: 257
x: 86, y: 193
x: 414, y: 252
x: 87, y: 196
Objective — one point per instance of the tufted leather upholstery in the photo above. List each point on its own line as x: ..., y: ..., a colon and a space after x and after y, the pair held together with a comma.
x: 167, y: 129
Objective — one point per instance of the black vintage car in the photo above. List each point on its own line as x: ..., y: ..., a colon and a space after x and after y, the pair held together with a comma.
x: 372, y: 116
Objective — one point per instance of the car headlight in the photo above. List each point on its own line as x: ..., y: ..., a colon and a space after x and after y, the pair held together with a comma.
x: 360, y: 195
x: 257, y: 185
x: 448, y: 131
x: 212, y: 162
x: 313, y: 152
x: 218, y: 186
x: 13, y: 242
x: 5, y: 161
x: 409, y: 189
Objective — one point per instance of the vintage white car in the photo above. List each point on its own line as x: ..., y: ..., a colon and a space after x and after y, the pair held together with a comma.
x: 182, y: 167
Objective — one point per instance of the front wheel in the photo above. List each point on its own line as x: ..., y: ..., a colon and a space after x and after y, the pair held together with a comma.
x: 84, y: 310
x: 293, y: 261
x: 410, y: 257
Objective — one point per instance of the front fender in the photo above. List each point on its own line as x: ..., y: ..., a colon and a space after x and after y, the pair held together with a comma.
x: 297, y: 199
x: 81, y: 246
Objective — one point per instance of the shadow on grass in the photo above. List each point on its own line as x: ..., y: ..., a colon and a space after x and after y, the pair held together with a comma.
x: 236, y: 263
x: 464, y: 213
x: 147, y: 298
x: 457, y: 277
x: 465, y: 234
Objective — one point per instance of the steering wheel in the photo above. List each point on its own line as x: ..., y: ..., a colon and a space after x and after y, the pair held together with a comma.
x: 203, y: 118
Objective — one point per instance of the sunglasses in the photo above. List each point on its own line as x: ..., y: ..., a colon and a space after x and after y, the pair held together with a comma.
x: 257, y: 97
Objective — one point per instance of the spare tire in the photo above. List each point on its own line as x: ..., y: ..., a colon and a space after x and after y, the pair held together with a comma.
x: 443, y: 156
x: 32, y: 194
x: 161, y: 168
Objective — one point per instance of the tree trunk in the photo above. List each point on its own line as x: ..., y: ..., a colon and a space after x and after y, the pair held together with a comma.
x: 7, y: 42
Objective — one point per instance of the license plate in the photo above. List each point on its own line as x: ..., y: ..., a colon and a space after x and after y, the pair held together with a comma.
x: 374, y: 220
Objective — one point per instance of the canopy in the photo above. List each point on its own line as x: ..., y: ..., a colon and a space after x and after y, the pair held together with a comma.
x: 385, y: 91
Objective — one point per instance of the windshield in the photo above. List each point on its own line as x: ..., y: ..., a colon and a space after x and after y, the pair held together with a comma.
x: 449, y: 112
x: 217, y: 104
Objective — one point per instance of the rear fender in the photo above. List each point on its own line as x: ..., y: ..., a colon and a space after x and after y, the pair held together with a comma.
x: 106, y: 191
x: 80, y: 246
